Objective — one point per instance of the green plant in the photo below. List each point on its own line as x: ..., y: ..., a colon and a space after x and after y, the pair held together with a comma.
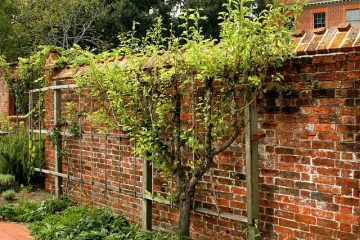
x: 5, y: 124
x: 8, y: 195
x: 19, y: 156
x: 15, y: 213
x: 26, y: 188
x: 57, y: 219
x: 6, y: 181
x: 27, y: 211
x: 79, y: 222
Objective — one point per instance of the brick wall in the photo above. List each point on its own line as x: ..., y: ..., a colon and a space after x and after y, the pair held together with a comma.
x: 309, y: 160
x: 4, y: 97
x: 7, y: 104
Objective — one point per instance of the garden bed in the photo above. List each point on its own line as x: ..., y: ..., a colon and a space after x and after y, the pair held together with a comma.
x: 50, y: 218
x: 36, y: 196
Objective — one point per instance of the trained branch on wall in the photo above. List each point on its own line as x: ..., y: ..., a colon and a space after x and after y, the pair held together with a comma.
x: 148, y: 95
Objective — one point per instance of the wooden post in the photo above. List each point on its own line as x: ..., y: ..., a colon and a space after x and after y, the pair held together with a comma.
x: 58, y: 147
x: 147, y: 188
x: 30, y: 122
x: 252, y: 173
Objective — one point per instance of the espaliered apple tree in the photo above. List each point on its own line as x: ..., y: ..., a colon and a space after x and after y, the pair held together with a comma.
x: 182, y: 98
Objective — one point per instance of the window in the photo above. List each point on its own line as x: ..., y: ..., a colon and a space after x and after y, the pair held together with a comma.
x: 319, y: 20
x: 353, y: 16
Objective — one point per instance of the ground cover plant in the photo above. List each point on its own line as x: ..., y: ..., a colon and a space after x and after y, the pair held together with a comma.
x: 81, y: 223
x: 26, y: 211
x: 59, y: 219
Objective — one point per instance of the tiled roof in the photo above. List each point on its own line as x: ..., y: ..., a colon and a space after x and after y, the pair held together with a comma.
x: 343, y: 38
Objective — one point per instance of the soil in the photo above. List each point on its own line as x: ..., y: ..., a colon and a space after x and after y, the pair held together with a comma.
x: 37, y: 195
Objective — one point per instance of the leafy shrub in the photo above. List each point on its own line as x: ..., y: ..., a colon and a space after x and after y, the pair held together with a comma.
x: 19, y: 156
x: 26, y: 188
x: 13, y: 213
x: 83, y: 223
x: 30, y: 212
x: 56, y: 219
x: 46, y: 208
x: 8, y: 195
x: 5, y: 124
x: 6, y: 181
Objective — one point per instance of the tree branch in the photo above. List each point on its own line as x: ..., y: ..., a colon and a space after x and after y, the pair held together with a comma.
x: 200, y: 171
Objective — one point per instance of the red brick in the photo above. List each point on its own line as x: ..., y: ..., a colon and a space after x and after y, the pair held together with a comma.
x: 284, y: 231
x: 322, y: 213
x: 322, y: 231
x: 328, y: 171
x: 346, y: 209
x: 350, y: 183
x: 282, y: 150
x: 324, y: 162
x: 328, y: 189
x: 324, y: 127
x: 322, y: 145
x: 288, y: 223
x: 346, y: 218
x: 347, y: 201
x: 284, y: 182
x: 327, y: 223
x: 328, y: 136
x: 305, y: 219
x: 284, y: 214
x: 289, y: 207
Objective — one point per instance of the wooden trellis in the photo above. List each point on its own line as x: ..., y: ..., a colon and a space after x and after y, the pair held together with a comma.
x: 251, y: 149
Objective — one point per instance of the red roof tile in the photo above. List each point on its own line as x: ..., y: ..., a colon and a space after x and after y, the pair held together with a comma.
x: 343, y: 38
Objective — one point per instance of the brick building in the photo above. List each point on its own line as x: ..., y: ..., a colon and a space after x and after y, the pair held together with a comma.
x: 327, y: 13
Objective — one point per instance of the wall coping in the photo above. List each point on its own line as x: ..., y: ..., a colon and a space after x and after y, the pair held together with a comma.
x: 342, y: 38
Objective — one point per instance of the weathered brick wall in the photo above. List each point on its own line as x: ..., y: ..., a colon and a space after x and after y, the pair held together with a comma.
x: 309, y: 160
x: 7, y: 103
x: 4, y: 97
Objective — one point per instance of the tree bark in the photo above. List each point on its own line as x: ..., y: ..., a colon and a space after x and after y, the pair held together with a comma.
x: 185, y: 202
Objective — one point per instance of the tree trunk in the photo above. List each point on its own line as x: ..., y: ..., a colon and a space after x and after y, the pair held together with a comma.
x: 184, y: 216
